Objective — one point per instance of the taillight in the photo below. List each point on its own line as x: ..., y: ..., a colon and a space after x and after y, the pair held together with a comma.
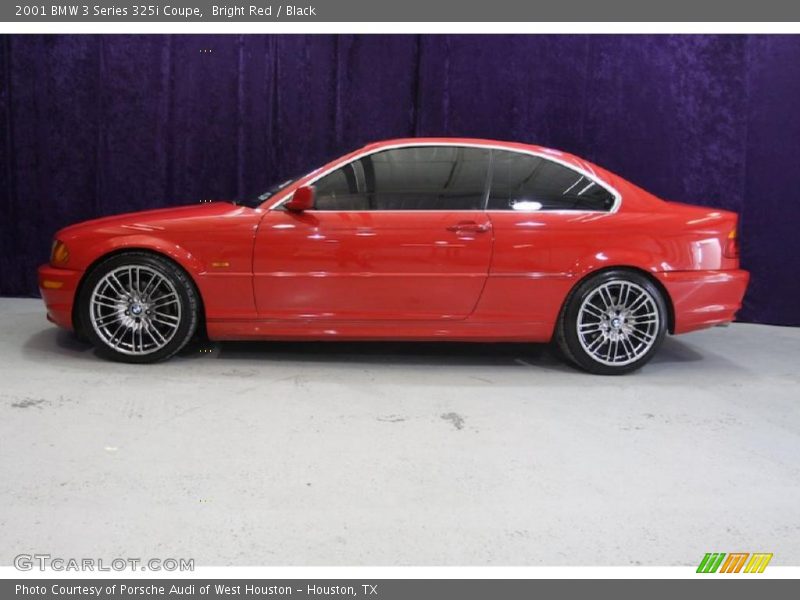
x: 732, y: 245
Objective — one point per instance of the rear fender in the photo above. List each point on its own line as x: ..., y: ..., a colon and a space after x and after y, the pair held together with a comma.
x: 617, y: 257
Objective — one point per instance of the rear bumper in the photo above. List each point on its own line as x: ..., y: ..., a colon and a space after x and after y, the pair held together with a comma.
x: 704, y: 298
x: 57, y: 287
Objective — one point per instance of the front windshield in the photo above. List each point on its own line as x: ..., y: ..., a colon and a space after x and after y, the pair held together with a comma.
x: 255, y: 200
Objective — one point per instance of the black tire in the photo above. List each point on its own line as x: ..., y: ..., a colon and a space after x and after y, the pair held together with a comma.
x: 185, y: 308
x: 575, y: 347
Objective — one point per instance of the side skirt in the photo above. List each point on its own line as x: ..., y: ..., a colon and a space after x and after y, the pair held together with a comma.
x: 466, y: 331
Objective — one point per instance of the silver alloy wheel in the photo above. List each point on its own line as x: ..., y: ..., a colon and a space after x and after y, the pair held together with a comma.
x: 618, y: 323
x: 135, y: 310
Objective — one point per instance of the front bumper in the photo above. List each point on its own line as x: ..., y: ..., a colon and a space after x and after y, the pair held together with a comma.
x: 704, y: 298
x: 58, y: 287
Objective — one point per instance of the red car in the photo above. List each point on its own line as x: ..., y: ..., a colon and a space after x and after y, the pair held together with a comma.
x: 411, y: 239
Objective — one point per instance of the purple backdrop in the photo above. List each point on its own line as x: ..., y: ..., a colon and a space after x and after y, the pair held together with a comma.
x: 93, y: 125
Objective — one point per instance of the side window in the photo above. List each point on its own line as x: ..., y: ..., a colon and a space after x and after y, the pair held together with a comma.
x: 342, y: 189
x: 413, y: 178
x: 529, y: 183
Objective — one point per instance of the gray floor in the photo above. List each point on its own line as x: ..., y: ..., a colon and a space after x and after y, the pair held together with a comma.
x: 381, y: 454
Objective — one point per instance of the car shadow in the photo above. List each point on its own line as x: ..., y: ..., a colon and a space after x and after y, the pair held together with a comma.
x: 538, y: 355
x: 54, y: 342
x: 372, y: 353
x: 676, y: 350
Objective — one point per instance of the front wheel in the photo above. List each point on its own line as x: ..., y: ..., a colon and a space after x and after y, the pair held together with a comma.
x: 613, y: 323
x: 138, y: 308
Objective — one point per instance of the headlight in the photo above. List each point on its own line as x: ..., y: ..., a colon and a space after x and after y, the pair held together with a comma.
x: 59, y: 255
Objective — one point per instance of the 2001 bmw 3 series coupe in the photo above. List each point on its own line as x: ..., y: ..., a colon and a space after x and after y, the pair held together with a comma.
x: 410, y: 239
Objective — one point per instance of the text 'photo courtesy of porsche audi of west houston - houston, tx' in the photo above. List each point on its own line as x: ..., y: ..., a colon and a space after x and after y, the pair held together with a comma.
x: 411, y: 239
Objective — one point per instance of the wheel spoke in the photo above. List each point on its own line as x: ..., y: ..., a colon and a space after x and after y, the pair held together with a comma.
x: 154, y: 330
x: 629, y: 349
x: 104, y: 320
x: 626, y: 296
x: 643, y: 337
x: 107, y: 304
x: 643, y: 321
x: 164, y: 315
x: 109, y: 298
x: 169, y: 294
x: 638, y: 303
x: 162, y: 303
x: 605, y: 296
x: 153, y: 277
x: 596, y: 343
x: 173, y: 325
x: 113, y: 339
x: 612, y: 345
x: 594, y: 311
x: 115, y: 285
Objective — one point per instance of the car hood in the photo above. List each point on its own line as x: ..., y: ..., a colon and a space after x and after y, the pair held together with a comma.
x: 151, y: 220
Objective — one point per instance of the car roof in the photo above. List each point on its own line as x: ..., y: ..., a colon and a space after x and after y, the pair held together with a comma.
x: 489, y: 143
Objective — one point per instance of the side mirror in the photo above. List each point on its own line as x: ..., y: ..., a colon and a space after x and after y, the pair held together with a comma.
x: 302, y: 199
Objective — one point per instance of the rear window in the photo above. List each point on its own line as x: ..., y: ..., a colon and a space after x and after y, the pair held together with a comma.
x: 525, y: 182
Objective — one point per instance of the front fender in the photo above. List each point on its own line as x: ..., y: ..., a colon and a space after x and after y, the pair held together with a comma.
x: 97, y: 250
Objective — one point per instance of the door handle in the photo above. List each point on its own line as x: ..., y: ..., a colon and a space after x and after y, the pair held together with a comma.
x: 469, y: 227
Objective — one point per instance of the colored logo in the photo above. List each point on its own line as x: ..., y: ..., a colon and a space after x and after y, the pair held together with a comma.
x: 714, y: 562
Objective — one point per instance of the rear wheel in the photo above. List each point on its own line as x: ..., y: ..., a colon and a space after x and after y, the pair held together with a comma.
x: 138, y: 307
x: 613, y: 323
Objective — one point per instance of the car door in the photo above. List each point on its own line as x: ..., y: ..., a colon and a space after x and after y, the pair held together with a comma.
x: 398, y: 234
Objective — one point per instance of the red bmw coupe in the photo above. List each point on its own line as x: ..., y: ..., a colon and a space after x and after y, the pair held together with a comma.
x: 410, y: 239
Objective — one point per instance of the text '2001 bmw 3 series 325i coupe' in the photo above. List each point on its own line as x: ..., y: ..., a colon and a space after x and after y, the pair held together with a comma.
x: 413, y: 239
